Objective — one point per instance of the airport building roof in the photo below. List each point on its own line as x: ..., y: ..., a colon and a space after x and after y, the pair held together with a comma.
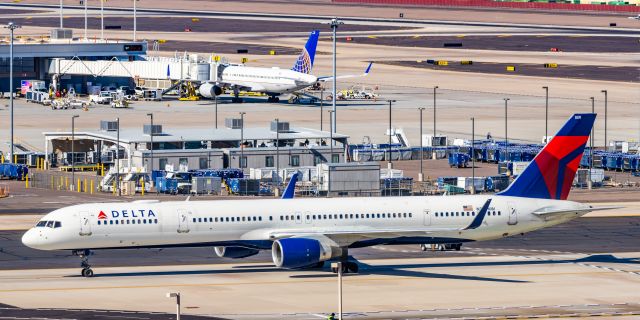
x: 131, y: 135
x: 69, y: 49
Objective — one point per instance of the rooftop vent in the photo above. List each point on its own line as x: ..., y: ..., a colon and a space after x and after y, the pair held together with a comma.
x: 233, y: 123
x: 155, y: 130
x: 106, y: 125
x: 280, y: 126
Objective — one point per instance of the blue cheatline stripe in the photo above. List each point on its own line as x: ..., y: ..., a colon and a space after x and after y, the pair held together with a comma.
x: 480, y: 217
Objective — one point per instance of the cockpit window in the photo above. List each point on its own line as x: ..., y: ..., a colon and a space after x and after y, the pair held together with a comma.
x: 58, y: 224
x: 50, y: 224
x: 41, y: 223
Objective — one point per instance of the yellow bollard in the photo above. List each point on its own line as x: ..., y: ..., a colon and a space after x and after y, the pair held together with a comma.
x: 114, y: 187
x: 66, y: 183
x: 102, y: 169
x: 26, y: 181
x: 1, y: 158
x: 142, y: 186
x: 85, y: 185
x: 79, y: 185
x: 91, y: 190
x: 15, y: 158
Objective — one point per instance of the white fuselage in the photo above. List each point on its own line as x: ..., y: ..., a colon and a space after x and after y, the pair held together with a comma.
x: 256, y: 223
x: 268, y: 80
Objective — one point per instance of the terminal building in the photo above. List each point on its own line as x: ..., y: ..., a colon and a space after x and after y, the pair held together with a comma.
x: 33, y: 59
x: 196, y: 148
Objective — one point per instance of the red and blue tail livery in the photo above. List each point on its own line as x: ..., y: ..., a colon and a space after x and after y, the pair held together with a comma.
x: 551, y: 173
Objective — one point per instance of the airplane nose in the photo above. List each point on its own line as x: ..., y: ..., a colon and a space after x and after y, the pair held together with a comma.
x: 30, y: 239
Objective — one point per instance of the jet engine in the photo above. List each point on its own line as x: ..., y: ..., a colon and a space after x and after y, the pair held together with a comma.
x: 209, y: 90
x: 292, y: 253
x: 235, y: 252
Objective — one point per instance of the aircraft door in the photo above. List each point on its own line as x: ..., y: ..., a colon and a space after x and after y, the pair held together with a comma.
x: 85, y: 223
x: 183, y: 220
x: 427, y: 217
x: 513, y: 214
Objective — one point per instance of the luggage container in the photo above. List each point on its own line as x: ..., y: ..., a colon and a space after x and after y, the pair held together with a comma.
x: 459, y: 160
x: 582, y: 177
x: 613, y: 162
x: 206, y: 185
x: 244, y: 186
x: 452, y: 189
x: 167, y: 185
x: 442, y: 181
x: 497, y: 183
x: 467, y: 182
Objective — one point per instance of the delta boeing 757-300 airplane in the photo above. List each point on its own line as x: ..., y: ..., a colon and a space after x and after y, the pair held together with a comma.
x: 307, y: 232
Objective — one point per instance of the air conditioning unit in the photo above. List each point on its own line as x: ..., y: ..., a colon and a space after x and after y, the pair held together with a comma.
x: 58, y: 33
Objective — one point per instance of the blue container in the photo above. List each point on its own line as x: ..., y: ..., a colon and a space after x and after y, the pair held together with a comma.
x: 158, y: 173
x: 495, y: 183
x: 166, y: 185
x: 459, y: 160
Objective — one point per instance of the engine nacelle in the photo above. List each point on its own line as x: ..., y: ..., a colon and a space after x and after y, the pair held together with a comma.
x: 235, y: 252
x: 209, y: 90
x: 292, y: 253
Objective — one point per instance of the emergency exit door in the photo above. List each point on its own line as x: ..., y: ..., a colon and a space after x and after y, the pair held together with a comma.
x: 427, y: 217
x: 85, y: 223
x: 513, y: 214
x: 183, y: 220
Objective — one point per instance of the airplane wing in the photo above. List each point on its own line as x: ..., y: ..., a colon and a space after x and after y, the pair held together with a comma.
x: 242, y: 85
x: 366, y: 73
x: 552, y: 214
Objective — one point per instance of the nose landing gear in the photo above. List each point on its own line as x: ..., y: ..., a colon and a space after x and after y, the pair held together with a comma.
x: 84, y: 262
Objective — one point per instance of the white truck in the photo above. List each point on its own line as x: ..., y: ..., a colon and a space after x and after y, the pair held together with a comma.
x: 105, y: 97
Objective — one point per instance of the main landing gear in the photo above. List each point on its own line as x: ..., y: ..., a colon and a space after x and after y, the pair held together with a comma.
x: 273, y: 99
x: 347, y: 266
x: 84, y: 262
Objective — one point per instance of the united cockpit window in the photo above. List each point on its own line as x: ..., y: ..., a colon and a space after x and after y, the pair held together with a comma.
x: 57, y: 224
x: 41, y: 224
x: 50, y: 224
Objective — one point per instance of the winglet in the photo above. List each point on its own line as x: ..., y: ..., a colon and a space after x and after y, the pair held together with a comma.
x: 291, y: 187
x: 480, y: 217
x: 366, y: 72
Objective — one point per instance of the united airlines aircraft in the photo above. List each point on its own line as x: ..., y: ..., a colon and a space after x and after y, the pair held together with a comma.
x: 306, y: 232
x: 272, y: 81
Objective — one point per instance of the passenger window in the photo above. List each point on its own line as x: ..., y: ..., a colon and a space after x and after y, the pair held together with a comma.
x: 298, y: 217
x: 155, y: 221
x: 281, y: 218
x: 243, y: 218
x: 233, y: 219
x: 259, y: 218
x: 270, y: 218
x: 110, y: 221
x: 194, y: 220
x: 98, y: 223
x: 138, y: 221
x: 351, y: 216
x: 410, y: 214
x: 287, y: 217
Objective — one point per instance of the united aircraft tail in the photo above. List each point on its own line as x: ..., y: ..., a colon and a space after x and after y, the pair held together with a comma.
x: 304, y: 63
x: 551, y: 173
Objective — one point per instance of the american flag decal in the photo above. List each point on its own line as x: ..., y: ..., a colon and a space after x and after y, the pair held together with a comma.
x: 467, y: 208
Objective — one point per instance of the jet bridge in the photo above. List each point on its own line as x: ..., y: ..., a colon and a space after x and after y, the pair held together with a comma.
x: 178, y: 68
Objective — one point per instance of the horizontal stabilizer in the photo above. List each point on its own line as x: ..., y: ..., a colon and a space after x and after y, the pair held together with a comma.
x: 551, y: 214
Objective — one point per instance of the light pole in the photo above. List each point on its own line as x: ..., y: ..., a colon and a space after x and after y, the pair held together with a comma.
x: 606, y: 142
x: 421, y: 175
x: 321, y: 106
x: 151, y: 134
x: 330, y: 138
x: 434, y: 111
x: 177, y: 296
x: 73, y: 152
x: 61, y: 12
x: 215, y: 98
x: 11, y: 26
x: 85, y: 18
x: 242, y: 165
x: 135, y: 19
x: 473, y: 153
x: 118, y: 156
x: 339, y: 290
x: 591, y: 144
x: 102, y: 19
x: 334, y: 27
x: 546, y: 114
x: 506, y: 132
x: 389, y: 164
x: 277, y: 152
